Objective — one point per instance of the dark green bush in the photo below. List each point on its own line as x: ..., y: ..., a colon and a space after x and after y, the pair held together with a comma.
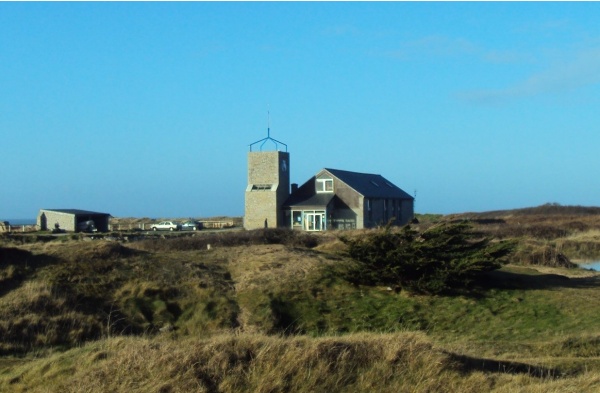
x: 442, y: 258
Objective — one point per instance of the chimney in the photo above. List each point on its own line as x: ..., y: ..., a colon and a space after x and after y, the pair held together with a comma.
x: 294, y: 187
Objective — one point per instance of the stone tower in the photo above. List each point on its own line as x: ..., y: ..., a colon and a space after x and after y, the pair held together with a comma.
x: 268, y: 187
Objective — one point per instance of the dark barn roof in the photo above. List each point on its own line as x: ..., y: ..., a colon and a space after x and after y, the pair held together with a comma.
x: 77, y: 212
x: 370, y: 185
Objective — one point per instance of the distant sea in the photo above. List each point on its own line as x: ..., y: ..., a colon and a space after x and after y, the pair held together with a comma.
x: 591, y: 265
x: 19, y: 221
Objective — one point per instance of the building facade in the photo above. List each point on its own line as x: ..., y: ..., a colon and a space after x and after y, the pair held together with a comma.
x: 72, y: 220
x: 337, y: 199
x: 332, y: 199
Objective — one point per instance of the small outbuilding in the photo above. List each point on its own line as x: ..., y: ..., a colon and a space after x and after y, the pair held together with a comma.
x: 72, y: 220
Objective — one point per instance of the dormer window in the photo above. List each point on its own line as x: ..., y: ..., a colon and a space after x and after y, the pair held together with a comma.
x: 324, y: 185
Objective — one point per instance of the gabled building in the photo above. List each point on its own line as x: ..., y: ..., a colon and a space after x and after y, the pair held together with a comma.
x: 337, y: 199
x: 332, y: 199
x: 72, y: 220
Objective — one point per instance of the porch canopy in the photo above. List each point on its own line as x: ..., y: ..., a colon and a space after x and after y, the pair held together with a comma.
x: 310, y: 212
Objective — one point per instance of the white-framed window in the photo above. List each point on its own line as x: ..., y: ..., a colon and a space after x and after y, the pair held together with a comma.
x: 296, y: 219
x: 324, y: 185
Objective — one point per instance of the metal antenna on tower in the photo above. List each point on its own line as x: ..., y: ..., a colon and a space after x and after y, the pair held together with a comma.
x: 268, y: 138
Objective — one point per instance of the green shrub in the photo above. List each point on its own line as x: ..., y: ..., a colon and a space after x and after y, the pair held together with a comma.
x: 444, y: 257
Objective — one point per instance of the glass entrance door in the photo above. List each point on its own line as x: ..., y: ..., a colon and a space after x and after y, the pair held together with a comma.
x: 315, y: 221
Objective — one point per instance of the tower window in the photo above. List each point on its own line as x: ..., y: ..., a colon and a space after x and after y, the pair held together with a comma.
x: 261, y: 187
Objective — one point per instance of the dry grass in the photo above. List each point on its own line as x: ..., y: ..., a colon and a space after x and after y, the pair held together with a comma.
x: 235, y: 313
x: 202, y: 240
x: 35, y: 315
x: 548, y: 235
x: 269, y: 264
x: 401, y: 362
x: 543, y: 223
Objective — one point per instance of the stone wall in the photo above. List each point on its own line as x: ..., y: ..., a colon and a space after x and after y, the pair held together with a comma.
x: 270, y: 169
x: 261, y: 206
x: 47, y: 219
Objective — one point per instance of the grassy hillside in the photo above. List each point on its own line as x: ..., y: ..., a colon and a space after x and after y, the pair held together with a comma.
x: 274, y: 311
x: 548, y: 234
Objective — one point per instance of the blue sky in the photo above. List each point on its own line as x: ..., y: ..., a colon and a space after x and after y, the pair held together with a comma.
x: 147, y: 109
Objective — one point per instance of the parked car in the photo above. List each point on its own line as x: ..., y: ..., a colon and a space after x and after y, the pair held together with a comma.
x: 191, y: 225
x: 87, y: 226
x: 166, y: 226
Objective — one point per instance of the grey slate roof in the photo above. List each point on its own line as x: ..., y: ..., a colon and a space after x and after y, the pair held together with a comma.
x: 369, y: 185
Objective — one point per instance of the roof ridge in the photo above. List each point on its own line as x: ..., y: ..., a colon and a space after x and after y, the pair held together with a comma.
x: 358, y: 173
